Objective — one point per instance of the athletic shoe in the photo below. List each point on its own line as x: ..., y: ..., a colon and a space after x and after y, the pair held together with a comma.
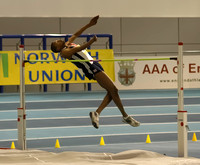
x: 131, y: 121
x: 95, y: 119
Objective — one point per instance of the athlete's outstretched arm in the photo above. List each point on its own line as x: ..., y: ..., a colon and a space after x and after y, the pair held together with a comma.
x: 92, y: 22
x: 67, y: 53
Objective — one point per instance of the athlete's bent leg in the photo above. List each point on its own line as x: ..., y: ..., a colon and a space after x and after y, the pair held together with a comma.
x: 108, y: 84
x: 107, y: 99
x: 105, y: 82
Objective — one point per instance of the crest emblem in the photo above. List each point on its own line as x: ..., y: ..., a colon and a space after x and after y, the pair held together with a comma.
x: 126, y: 74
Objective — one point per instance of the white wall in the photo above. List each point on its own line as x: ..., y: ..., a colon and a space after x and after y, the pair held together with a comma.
x: 105, y: 8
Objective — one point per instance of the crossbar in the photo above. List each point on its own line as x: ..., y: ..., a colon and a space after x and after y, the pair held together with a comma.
x: 103, y: 60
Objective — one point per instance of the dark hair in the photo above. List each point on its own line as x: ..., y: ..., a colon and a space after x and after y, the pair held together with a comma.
x: 54, y: 47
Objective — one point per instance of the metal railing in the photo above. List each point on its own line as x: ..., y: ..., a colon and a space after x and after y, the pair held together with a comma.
x: 44, y: 38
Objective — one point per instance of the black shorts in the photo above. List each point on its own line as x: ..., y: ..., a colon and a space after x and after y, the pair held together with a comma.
x: 94, y: 68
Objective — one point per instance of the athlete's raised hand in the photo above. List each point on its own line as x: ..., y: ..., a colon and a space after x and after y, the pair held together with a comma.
x: 94, y: 20
x: 94, y: 38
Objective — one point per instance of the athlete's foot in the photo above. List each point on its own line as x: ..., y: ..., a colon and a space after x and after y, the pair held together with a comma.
x: 95, y: 119
x: 131, y: 121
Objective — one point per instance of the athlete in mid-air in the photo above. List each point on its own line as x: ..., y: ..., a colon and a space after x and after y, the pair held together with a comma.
x: 92, y: 70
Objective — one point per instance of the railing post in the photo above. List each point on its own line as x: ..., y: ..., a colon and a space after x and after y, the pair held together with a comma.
x: 1, y: 45
x: 66, y: 85
x: 110, y: 42
x: 89, y: 84
x: 22, y: 40
x: 44, y: 44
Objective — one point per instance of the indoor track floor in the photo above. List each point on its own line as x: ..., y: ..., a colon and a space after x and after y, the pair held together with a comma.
x: 65, y: 116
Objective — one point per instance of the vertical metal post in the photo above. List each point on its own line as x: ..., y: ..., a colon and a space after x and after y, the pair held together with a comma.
x: 1, y: 45
x: 182, y: 115
x: 110, y: 42
x: 22, y: 40
x: 44, y: 41
x: 66, y: 85
x: 89, y: 84
x: 22, y: 111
